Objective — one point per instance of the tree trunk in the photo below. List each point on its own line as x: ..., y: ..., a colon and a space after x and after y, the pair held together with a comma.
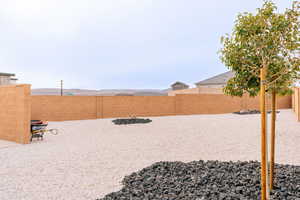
x: 273, y: 139
x: 263, y: 134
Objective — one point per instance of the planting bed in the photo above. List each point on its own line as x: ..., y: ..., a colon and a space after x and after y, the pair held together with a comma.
x: 131, y: 121
x: 247, y: 112
x: 199, y: 180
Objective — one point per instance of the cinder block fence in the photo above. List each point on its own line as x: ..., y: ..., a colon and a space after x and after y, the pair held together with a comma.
x: 15, y: 109
x: 296, y: 102
x: 57, y: 108
x: 18, y: 107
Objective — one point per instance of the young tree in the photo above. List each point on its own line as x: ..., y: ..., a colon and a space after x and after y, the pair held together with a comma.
x: 266, y: 40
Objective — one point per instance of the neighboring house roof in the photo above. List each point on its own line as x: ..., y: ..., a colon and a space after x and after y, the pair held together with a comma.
x: 220, y: 79
x: 124, y: 94
x: 150, y: 94
x: 6, y: 74
x: 179, y: 83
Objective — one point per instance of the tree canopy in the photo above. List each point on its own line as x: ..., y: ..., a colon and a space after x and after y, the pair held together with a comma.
x: 266, y: 39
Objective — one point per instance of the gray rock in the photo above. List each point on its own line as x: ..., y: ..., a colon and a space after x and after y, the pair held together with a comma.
x: 131, y: 121
x: 211, y: 180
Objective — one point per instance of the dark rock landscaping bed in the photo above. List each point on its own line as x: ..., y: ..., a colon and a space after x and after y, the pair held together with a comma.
x: 247, y: 112
x: 212, y: 180
x: 131, y: 121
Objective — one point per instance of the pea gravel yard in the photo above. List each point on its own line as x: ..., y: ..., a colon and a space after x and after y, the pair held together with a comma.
x: 89, y: 159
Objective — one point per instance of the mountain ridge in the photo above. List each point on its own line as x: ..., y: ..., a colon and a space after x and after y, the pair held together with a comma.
x: 102, y: 92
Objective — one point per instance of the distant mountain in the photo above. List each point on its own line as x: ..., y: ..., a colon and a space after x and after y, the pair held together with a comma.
x: 105, y: 92
x: 149, y: 93
x: 54, y: 91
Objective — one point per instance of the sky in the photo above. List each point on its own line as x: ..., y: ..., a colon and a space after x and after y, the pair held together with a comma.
x: 116, y: 44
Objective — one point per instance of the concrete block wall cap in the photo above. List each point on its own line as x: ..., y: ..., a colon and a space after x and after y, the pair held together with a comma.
x: 9, y: 86
x: 22, y: 85
x: 16, y: 85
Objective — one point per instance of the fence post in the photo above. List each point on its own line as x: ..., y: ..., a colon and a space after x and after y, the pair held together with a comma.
x: 175, y: 105
x: 102, y: 106
x: 99, y: 107
x: 293, y: 100
x: 96, y: 111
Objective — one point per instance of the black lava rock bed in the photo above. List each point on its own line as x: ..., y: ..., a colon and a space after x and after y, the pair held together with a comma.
x: 249, y: 112
x: 131, y: 121
x: 211, y: 180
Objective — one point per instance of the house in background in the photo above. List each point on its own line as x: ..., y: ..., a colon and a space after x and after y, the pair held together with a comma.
x: 179, y: 86
x: 213, y: 85
x: 218, y: 81
x: 124, y: 94
x: 7, y: 79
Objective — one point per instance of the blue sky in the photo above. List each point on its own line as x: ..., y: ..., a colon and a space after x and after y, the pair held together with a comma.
x: 103, y: 44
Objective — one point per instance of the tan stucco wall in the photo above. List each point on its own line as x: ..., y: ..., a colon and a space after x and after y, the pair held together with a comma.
x: 138, y: 105
x: 15, y: 113
x: 296, y: 102
x: 18, y: 107
x: 219, y: 103
x: 206, y: 104
x: 57, y: 108
x: 210, y: 90
x: 198, y: 90
x: 185, y: 91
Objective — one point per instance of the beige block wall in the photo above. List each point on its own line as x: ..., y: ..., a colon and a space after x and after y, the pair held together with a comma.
x: 15, y: 104
x: 251, y: 103
x: 185, y: 91
x: 124, y: 106
x: 62, y: 108
x: 283, y: 102
x: 206, y: 104
x: 198, y: 90
x: 296, y: 102
x: 210, y: 90
x: 18, y: 107
x: 293, y: 101
x: 220, y: 103
x: 57, y: 108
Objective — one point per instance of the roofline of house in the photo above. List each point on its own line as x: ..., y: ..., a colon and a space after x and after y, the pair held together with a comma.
x: 201, y: 82
x: 6, y: 74
x: 181, y: 83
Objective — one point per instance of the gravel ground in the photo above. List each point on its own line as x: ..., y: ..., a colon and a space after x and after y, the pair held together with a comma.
x: 211, y: 180
x: 6, y: 144
x: 88, y: 159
